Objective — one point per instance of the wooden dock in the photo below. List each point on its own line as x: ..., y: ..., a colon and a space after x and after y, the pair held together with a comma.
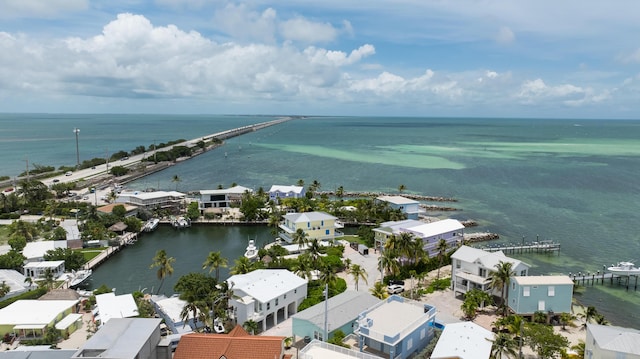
x: 525, y: 247
x: 602, y: 278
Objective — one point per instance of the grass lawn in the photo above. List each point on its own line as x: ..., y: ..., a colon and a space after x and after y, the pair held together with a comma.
x: 90, y: 253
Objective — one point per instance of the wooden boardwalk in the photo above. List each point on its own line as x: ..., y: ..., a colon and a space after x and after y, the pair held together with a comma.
x: 602, y: 278
x: 525, y: 247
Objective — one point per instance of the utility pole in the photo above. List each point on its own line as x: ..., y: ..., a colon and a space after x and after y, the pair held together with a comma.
x: 326, y: 300
x: 77, y: 131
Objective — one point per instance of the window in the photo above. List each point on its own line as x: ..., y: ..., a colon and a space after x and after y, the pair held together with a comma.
x: 526, y: 291
x: 541, y: 305
x: 551, y: 291
x: 423, y: 332
x: 322, y: 223
x: 513, y: 286
x: 409, y: 343
x: 268, y: 305
x: 308, y: 224
x: 523, y: 273
x: 458, y: 263
x: 482, y: 272
x: 276, y: 302
x: 327, y: 232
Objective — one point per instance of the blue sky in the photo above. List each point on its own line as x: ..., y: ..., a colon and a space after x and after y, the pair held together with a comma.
x: 529, y: 58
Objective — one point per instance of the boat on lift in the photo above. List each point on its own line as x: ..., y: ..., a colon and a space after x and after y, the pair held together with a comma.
x: 624, y: 269
x: 251, y: 251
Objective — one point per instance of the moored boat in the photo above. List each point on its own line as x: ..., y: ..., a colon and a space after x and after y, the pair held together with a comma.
x: 181, y: 222
x: 79, y: 277
x: 624, y: 268
x: 252, y: 250
x: 151, y: 224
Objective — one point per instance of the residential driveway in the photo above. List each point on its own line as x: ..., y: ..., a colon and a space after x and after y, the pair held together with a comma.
x: 368, y: 262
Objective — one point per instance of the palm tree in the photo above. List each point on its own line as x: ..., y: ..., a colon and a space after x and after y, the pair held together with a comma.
x: 300, y: 183
x: 49, y: 279
x: 301, y: 238
x: 567, y: 318
x: 242, y: 265
x: 4, y: 289
x: 401, y: 188
x: 442, y: 248
x: 501, y: 279
x: 327, y: 274
x: 176, y: 179
x: 250, y: 326
x: 589, y: 314
x: 579, y: 348
x: 215, y: 260
x: 28, y: 281
x: 504, y: 346
x: 358, y: 273
x: 303, y: 266
x: 388, y: 262
x: 340, y: 192
x: 164, y: 265
x: 314, y: 250
x: 379, y: 290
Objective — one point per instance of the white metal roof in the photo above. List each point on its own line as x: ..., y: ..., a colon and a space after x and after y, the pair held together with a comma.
x: 286, y: 189
x: 234, y: 190
x: 465, y: 340
x: 266, y: 284
x: 343, y: 308
x: 13, y: 278
x: 116, y: 306
x: 39, y: 248
x: 34, y: 312
x: 543, y: 280
x: 399, y: 200
x: 436, y: 228
x: 308, y: 217
x: 68, y: 320
x: 172, y: 307
x: 617, y: 339
x: 122, y: 338
x: 153, y: 195
x: 487, y: 259
x: 43, y: 264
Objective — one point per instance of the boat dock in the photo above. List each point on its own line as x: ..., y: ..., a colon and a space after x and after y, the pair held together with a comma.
x: 603, y: 277
x: 524, y: 247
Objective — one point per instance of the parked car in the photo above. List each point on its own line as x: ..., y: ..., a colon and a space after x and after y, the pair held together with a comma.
x: 68, y: 173
x: 395, y: 289
x: 396, y: 281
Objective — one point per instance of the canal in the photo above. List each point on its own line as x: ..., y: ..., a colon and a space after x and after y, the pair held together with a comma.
x: 128, y: 270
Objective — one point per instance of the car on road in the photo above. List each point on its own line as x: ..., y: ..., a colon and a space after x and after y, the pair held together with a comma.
x: 395, y: 289
x: 55, y: 180
x: 68, y: 173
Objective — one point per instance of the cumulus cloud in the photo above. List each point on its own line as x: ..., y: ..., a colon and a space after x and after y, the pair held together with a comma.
x: 568, y: 94
x: 338, y: 58
x: 303, y: 30
x: 242, y: 23
x: 40, y: 8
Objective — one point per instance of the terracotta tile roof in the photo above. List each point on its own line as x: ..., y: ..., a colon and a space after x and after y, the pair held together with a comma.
x: 238, y: 344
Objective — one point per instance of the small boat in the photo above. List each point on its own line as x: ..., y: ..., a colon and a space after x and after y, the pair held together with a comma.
x: 181, y: 222
x: 624, y: 268
x: 79, y: 277
x: 252, y: 250
x: 151, y: 225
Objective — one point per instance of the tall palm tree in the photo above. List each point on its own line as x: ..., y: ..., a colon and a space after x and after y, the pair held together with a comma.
x: 215, y: 260
x: 303, y: 266
x: 176, y: 179
x: 358, y: 273
x: 301, y: 238
x: 242, y: 265
x: 164, y: 264
x: 442, y: 248
x: 501, y: 278
x: 327, y: 274
x: 340, y: 192
x: 314, y: 250
x: 388, y: 263
x: 504, y: 346
x: 49, y: 279
x: 300, y: 183
x: 401, y: 188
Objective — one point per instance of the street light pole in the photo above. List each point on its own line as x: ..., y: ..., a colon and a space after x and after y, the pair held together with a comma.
x: 326, y: 299
x: 77, y: 131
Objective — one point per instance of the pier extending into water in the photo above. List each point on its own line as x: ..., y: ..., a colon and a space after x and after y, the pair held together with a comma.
x: 603, y: 278
x: 524, y: 247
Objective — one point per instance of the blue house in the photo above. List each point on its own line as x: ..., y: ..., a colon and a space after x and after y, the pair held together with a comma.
x: 396, y: 327
x: 548, y: 294
x: 411, y: 208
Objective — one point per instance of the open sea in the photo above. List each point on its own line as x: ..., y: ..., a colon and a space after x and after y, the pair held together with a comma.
x: 573, y: 181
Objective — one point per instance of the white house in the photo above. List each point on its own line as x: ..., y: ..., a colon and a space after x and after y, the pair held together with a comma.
x: 152, y: 200
x: 276, y: 192
x: 221, y: 198
x: 15, y: 280
x: 266, y: 296
x: 37, y: 270
x: 464, y: 340
x: 323, y: 350
x: 471, y: 268
x: 35, y: 251
x: 608, y: 341
x: 410, y: 207
x: 170, y: 309
x: 317, y: 225
x: 111, y: 306
x: 451, y: 230
x: 31, y: 318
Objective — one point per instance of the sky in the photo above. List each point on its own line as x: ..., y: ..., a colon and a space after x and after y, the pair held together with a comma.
x: 477, y: 58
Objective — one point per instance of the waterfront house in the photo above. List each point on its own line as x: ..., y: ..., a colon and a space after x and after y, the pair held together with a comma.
x: 409, y: 207
x: 322, y: 350
x: 35, y: 251
x: 125, y: 338
x: 608, y: 341
x: 266, y: 296
x: 153, y: 200
x: 110, y: 306
x: 316, y: 225
x: 471, y: 268
x: 548, y: 294
x: 236, y: 344
x: 31, y: 318
x: 16, y: 282
x: 464, y: 340
x: 342, y: 314
x: 170, y: 309
x: 276, y: 192
x: 221, y: 198
x: 396, y: 327
x: 37, y: 270
x: 451, y: 230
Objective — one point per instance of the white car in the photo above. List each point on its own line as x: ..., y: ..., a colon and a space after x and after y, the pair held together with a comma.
x: 395, y: 289
x: 68, y: 173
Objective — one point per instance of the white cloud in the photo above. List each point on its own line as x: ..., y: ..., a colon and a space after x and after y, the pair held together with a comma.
x: 303, y: 30
x: 40, y: 8
x: 242, y: 23
x: 505, y: 35
x: 633, y: 57
x: 338, y: 58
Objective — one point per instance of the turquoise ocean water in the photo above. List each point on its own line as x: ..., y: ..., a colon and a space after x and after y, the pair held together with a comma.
x: 573, y: 181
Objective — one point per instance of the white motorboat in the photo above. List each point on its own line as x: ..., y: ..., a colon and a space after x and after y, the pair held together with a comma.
x: 252, y: 250
x: 79, y: 277
x: 624, y: 268
x: 151, y: 224
x: 181, y: 222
